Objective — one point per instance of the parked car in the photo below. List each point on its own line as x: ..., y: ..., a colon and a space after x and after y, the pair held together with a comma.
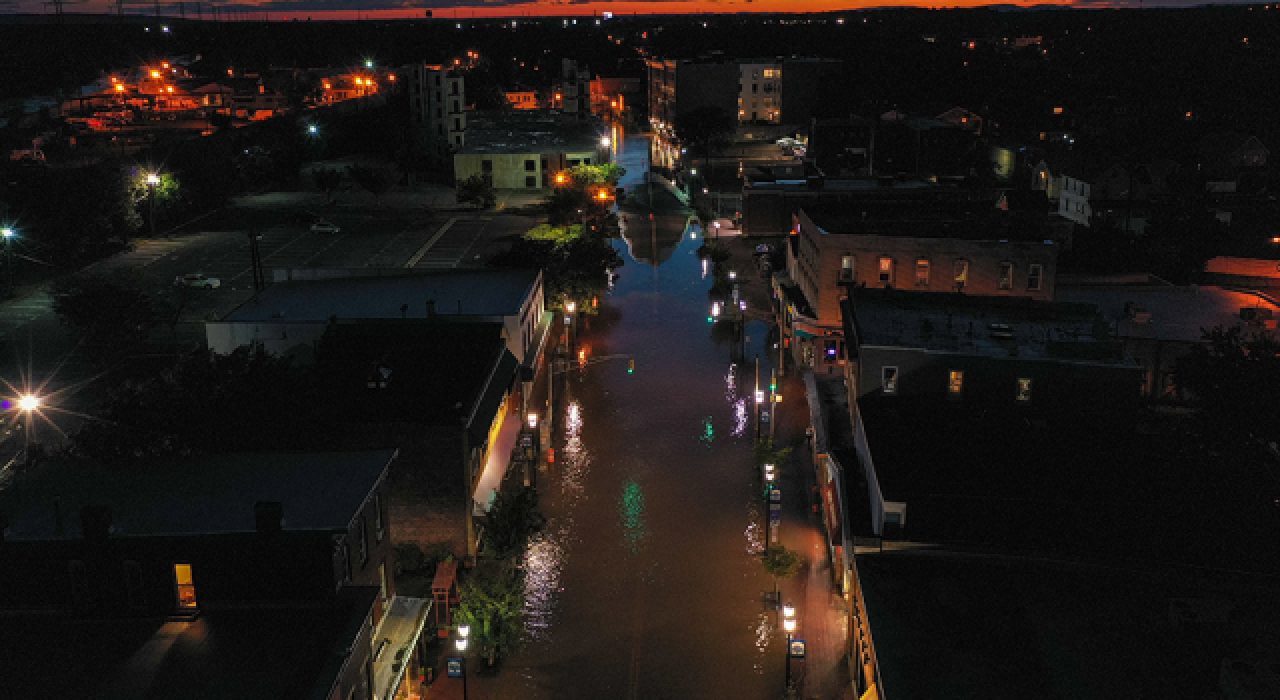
x: 197, y: 280
x: 324, y: 227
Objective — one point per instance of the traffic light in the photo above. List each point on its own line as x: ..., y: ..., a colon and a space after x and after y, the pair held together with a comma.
x: 773, y: 385
x: 631, y: 367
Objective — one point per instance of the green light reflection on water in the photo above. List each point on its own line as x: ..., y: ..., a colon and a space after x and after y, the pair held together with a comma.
x: 631, y: 507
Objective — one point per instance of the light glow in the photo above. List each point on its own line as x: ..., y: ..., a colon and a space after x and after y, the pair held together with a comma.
x: 29, y: 402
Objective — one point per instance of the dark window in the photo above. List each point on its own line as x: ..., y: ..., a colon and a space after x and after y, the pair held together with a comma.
x: 486, y: 166
x: 531, y: 165
x: 544, y: 163
x: 455, y: 106
x: 1034, y: 276
x: 531, y: 181
x: 1006, y: 275
x: 755, y: 87
x: 453, y: 88
x: 440, y: 129
x: 574, y: 161
x: 457, y: 124
x: 378, y: 530
x: 437, y: 77
x: 439, y: 112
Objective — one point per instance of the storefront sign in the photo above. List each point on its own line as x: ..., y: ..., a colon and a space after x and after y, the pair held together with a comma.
x: 797, y: 649
x: 453, y: 666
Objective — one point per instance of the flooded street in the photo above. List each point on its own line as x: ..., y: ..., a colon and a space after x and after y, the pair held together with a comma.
x: 646, y: 582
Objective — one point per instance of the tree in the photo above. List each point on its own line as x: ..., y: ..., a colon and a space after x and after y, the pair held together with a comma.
x: 1234, y: 377
x: 766, y: 453
x: 705, y: 130
x: 512, y: 519
x: 780, y: 562
x: 112, y: 315
x: 373, y: 179
x: 477, y: 190
x: 328, y: 180
x: 491, y: 601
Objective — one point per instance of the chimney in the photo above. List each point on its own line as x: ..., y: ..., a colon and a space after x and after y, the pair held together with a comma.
x: 95, y: 523
x: 431, y: 308
x: 268, y: 516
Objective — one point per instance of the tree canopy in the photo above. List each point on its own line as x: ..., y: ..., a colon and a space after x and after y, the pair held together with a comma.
x: 1234, y: 377
x: 705, y: 130
x: 477, y: 190
x: 491, y: 601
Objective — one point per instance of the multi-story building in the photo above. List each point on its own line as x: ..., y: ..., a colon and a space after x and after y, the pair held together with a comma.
x: 437, y: 110
x: 679, y: 86
x: 263, y: 575
x: 524, y: 150
x: 757, y: 90
x: 574, y: 89
x: 882, y: 244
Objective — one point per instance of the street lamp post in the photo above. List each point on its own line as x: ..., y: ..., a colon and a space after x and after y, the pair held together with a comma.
x: 461, y: 643
x: 153, y: 181
x: 789, y: 624
x: 532, y: 419
x: 8, y: 250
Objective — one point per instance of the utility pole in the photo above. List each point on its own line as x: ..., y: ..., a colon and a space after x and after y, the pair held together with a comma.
x: 773, y: 402
x: 756, y: 396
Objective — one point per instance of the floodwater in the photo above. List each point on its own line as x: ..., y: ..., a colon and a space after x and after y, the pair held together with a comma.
x: 646, y: 582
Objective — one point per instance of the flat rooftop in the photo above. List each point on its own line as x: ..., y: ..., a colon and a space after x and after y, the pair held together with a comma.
x: 1173, y: 312
x: 256, y: 654
x: 205, y: 495
x: 927, y: 217
x: 528, y: 131
x: 487, y: 293
x: 974, y: 325
x: 970, y: 624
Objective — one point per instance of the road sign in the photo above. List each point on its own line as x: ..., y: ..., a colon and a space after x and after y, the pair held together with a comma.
x: 764, y: 416
x: 775, y: 513
x: 797, y: 649
x: 454, y: 667
x: 775, y: 496
x: 526, y: 440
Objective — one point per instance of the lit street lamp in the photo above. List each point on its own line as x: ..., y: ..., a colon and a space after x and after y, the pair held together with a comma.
x: 789, y: 624
x: 29, y: 403
x: 461, y: 643
x: 8, y: 249
x: 153, y: 180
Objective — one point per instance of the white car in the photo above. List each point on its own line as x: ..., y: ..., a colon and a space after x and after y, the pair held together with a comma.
x: 324, y: 227
x: 197, y: 280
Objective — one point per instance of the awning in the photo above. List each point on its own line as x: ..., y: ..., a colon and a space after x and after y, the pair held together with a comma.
x: 394, y: 642
x: 496, y: 466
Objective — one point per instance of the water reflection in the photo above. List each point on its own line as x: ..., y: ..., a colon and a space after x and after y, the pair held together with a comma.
x: 708, y: 435
x: 755, y: 529
x: 740, y: 418
x: 764, y: 629
x: 576, y: 460
x: 631, y: 508
x: 543, y: 563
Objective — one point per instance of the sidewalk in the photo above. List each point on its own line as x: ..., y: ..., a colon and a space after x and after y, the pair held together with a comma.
x: 822, y: 617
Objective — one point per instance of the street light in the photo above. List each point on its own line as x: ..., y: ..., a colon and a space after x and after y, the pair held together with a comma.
x: 605, y: 142
x: 8, y: 249
x: 789, y: 624
x: 152, y: 181
x: 29, y: 403
x: 571, y: 306
x: 461, y: 643
x: 313, y: 129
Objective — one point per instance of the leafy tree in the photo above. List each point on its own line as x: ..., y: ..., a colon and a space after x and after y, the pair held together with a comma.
x: 780, y: 562
x: 512, y: 519
x: 705, y: 130
x: 112, y: 315
x: 375, y: 180
x: 1234, y: 377
x: 767, y: 453
x: 491, y: 601
x: 168, y: 194
x: 206, y: 403
x: 327, y: 180
x: 477, y: 190
x: 409, y: 557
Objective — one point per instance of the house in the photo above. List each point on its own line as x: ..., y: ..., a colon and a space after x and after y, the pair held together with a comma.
x: 1228, y: 160
x: 238, y: 575
x: 523, y: 99
x: 963, y: 118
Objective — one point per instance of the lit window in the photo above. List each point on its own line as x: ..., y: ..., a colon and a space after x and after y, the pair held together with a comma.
x: 1034, y: 276
x: 185, y: 584
x: 1006, y: 275
x: 886, y: 271
x: 846, y: 268
x: 955, y: 382
x: 961, y: 273
x: 1024, y: 391
x: 889, y: 379
x: 922, y: 273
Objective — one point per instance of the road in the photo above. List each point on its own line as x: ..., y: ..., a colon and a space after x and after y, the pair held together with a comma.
x: 647, y: 581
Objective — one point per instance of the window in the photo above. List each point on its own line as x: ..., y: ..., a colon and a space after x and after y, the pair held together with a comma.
x: 453, y: 88
x: 886, y: 271
x: 531, y: 181
x: 439, y: 112
x: 574, y: 161
x: 922, y: 273
x: 378, y: 530
x: 833, y: 351
x: 440, y: 129
x: 455, y: 107
x: 961, y: 273
x: 1024, y: 391
x: 362, y: 537
x: 772, y: 73
x: 382, y: 578
x: 486, y: 166
x: 531, y: 165
x: 437, y: 77
x: 889, y: 380
x: 1034, y: 275
x: 457, y: 124
x: 846, y: 268
x: 185, y: 586
x: 586, y: 161
x: 755, y: 88
x: 457, y: 140
x: 544, y: 163
x: 955, y: 382
x: 437, y: 94
x: 1006, y: 275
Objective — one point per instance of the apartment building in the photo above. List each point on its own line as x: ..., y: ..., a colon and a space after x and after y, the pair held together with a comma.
x: 437, y: 110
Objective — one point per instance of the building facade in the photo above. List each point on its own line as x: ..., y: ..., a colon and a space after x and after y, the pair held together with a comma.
x: 437, y: 110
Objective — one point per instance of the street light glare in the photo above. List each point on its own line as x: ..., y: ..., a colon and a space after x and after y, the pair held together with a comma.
x: 605, y: 141
x: 788, y: 610
x: 461, y: 643
x: 153, y: 179
x: 29, y: 402
x: 464, y: 631
x: 789, y: 624
x: 6, y: 232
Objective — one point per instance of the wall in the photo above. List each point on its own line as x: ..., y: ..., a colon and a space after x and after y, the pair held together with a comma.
x: 819, y: 265
x: 509, y: 169
x: 1073, y: 200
